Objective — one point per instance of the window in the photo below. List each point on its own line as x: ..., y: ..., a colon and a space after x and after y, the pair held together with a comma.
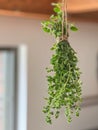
x: 7, y: 87
x: 13, y: 88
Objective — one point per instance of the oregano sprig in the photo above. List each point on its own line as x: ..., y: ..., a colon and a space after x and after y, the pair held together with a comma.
x: 64, y: 85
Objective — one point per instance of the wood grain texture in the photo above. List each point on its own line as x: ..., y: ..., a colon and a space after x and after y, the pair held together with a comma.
x: 44, y: 6
x: 30, y: 6
x: 80, y: 6
x: 23, y: 14
x: 81, y: 10
x: 87, y: 17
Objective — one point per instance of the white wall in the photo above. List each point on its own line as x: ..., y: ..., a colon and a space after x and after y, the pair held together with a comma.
x: 14, y: 31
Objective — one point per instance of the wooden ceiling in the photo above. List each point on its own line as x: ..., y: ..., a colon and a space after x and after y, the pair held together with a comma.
x: 29, y: 6
x: 82, y: 6
x: 43, y: 8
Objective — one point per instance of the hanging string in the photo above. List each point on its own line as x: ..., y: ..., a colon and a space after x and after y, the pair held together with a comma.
x: 64, y: 20
x: 63, y: 17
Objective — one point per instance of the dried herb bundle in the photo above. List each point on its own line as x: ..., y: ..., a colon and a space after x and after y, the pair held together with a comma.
x: 64, y: 85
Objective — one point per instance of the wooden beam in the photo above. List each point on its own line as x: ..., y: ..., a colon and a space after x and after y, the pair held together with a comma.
x: 81, y: 6
x: 84, y: 17
x: 30, y: 6
x: 44, y: 7
x: 87, y: 17
x: 24, y: 14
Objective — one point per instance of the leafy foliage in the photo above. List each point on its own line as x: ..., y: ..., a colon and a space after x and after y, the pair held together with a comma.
x: 53, y: 26
x: 64, y: 85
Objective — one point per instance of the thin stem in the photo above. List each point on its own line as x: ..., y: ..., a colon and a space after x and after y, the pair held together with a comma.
x: 64, y: 19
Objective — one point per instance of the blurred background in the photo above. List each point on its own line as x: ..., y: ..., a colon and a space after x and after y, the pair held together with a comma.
x: 22, y: 71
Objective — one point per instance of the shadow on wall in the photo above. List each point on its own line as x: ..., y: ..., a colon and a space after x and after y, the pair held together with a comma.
x: 97, y: 67
x: 94, y: 98
x: 92, y: 129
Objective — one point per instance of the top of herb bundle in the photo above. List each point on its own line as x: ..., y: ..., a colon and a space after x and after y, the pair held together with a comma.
x: 53, y: 26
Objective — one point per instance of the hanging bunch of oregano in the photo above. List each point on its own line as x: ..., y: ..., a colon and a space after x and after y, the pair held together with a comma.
x: 64, y: 85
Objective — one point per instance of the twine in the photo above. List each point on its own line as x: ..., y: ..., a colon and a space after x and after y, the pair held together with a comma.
x: 64, y: 20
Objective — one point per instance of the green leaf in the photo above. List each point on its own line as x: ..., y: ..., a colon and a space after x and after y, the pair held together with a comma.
x: 77, y: 113
x: 52, y: 16
x: 45, y: 29
x: 73, y: 27
x: 57, y: 114
x: 57, y: 10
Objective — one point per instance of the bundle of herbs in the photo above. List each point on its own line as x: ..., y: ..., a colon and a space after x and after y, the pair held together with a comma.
x: 64, y: 84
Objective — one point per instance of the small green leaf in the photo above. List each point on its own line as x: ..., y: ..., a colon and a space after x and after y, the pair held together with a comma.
x: 46, y: 29
x: 77, y: 113
x: 52, y: 16
x: 56, y: 10
x: 57, y: 114
x: 73, y: 27
x: 48, y: 120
